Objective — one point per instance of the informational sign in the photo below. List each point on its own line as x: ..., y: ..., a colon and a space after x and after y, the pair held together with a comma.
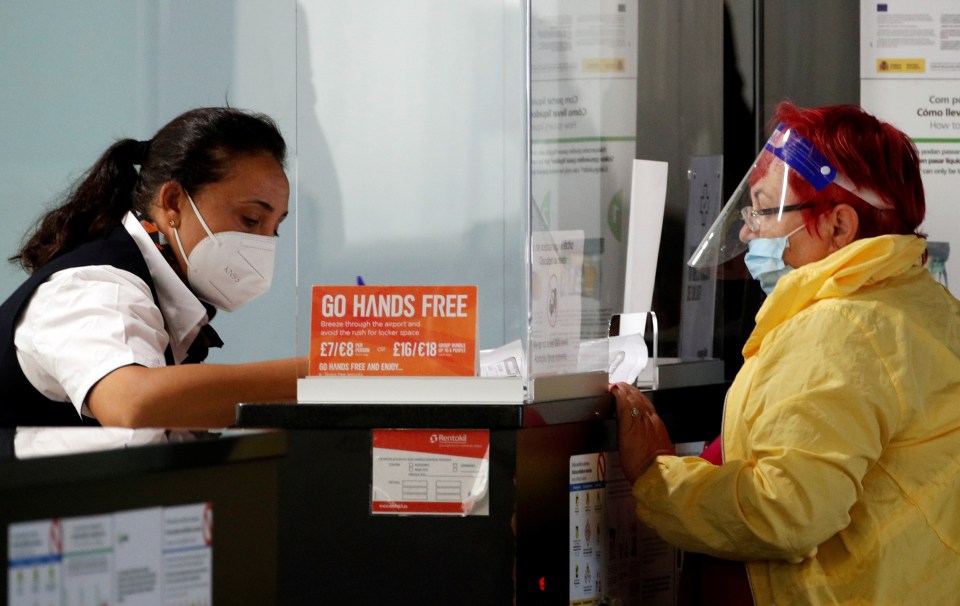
x: 583, y: 71
x: 187, y: 554
x: 34, y: 563
x: 88, y: 560
x: 910, y: 77
x: 556, y: 266
x: 138, y: 558
x: 394, y: 331
x: 699, y: 287
x: 588, y: 528
x: 641, y: 566
x: 146, y: 557
x: 431, y: 472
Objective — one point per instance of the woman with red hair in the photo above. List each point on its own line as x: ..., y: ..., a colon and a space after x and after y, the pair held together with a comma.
x: 836, y: 473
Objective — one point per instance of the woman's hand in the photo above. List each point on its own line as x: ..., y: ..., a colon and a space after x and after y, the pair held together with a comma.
x: 641, y: 432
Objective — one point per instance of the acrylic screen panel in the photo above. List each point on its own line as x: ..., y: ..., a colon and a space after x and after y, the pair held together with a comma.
x: 410, y: 136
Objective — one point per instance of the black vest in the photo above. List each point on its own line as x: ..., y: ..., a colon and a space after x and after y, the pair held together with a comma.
x: 21, y: 404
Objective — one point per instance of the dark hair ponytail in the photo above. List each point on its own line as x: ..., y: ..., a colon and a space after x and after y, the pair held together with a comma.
x: 94, y: 205
x: 194, y: 149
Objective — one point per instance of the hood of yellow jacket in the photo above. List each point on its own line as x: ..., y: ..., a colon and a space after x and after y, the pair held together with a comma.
x: 855, y: 266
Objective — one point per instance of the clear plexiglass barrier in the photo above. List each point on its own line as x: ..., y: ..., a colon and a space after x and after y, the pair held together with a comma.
x: 475, y: 143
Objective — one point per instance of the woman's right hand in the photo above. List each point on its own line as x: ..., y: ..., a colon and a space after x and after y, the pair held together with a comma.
x: 641, y: 433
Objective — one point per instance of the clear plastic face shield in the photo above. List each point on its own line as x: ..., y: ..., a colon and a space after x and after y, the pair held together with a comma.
x: 761, y: 204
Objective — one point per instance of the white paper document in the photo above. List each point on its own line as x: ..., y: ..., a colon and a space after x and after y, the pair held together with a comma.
x: 648, y: 194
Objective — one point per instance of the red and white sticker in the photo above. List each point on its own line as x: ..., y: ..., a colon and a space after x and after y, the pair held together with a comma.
x: 431, y: 471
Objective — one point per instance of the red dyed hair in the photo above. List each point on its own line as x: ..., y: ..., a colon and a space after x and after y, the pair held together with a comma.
x: 873, y: 155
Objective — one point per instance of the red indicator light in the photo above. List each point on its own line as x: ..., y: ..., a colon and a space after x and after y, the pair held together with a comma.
x: 543, y: 583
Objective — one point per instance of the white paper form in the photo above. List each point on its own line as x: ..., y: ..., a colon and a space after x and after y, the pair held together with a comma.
x: 648, y: 195
x: 505, y: 361
x: 628, y: 358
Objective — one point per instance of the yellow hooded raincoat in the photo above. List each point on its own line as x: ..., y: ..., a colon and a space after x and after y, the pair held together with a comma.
x: 841, y: 436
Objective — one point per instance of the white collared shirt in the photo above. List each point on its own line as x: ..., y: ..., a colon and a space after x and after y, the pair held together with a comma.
x: 85, y: 322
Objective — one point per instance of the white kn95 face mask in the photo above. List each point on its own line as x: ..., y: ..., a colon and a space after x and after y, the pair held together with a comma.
x: 231, y: 268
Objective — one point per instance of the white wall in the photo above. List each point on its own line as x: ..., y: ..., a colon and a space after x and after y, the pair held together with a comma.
x: 66, y: 93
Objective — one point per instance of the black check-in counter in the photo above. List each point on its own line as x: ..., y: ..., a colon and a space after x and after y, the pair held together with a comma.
x: 332, y: 549
x: 291, y: 504
x: 93, y: 511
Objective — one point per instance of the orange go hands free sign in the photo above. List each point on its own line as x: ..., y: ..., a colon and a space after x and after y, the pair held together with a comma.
x: 394, y: 331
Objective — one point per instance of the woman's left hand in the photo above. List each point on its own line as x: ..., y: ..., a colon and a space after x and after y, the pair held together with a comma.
x: 641, y: 432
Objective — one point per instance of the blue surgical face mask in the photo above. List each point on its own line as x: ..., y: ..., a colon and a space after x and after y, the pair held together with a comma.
x: 765, y: 261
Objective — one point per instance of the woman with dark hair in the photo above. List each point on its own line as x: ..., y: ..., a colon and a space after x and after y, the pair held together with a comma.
x: 128, y: 271
x: 836, y: 473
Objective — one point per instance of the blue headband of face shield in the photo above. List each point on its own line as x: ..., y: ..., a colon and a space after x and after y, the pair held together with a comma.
x: 802, y: 156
